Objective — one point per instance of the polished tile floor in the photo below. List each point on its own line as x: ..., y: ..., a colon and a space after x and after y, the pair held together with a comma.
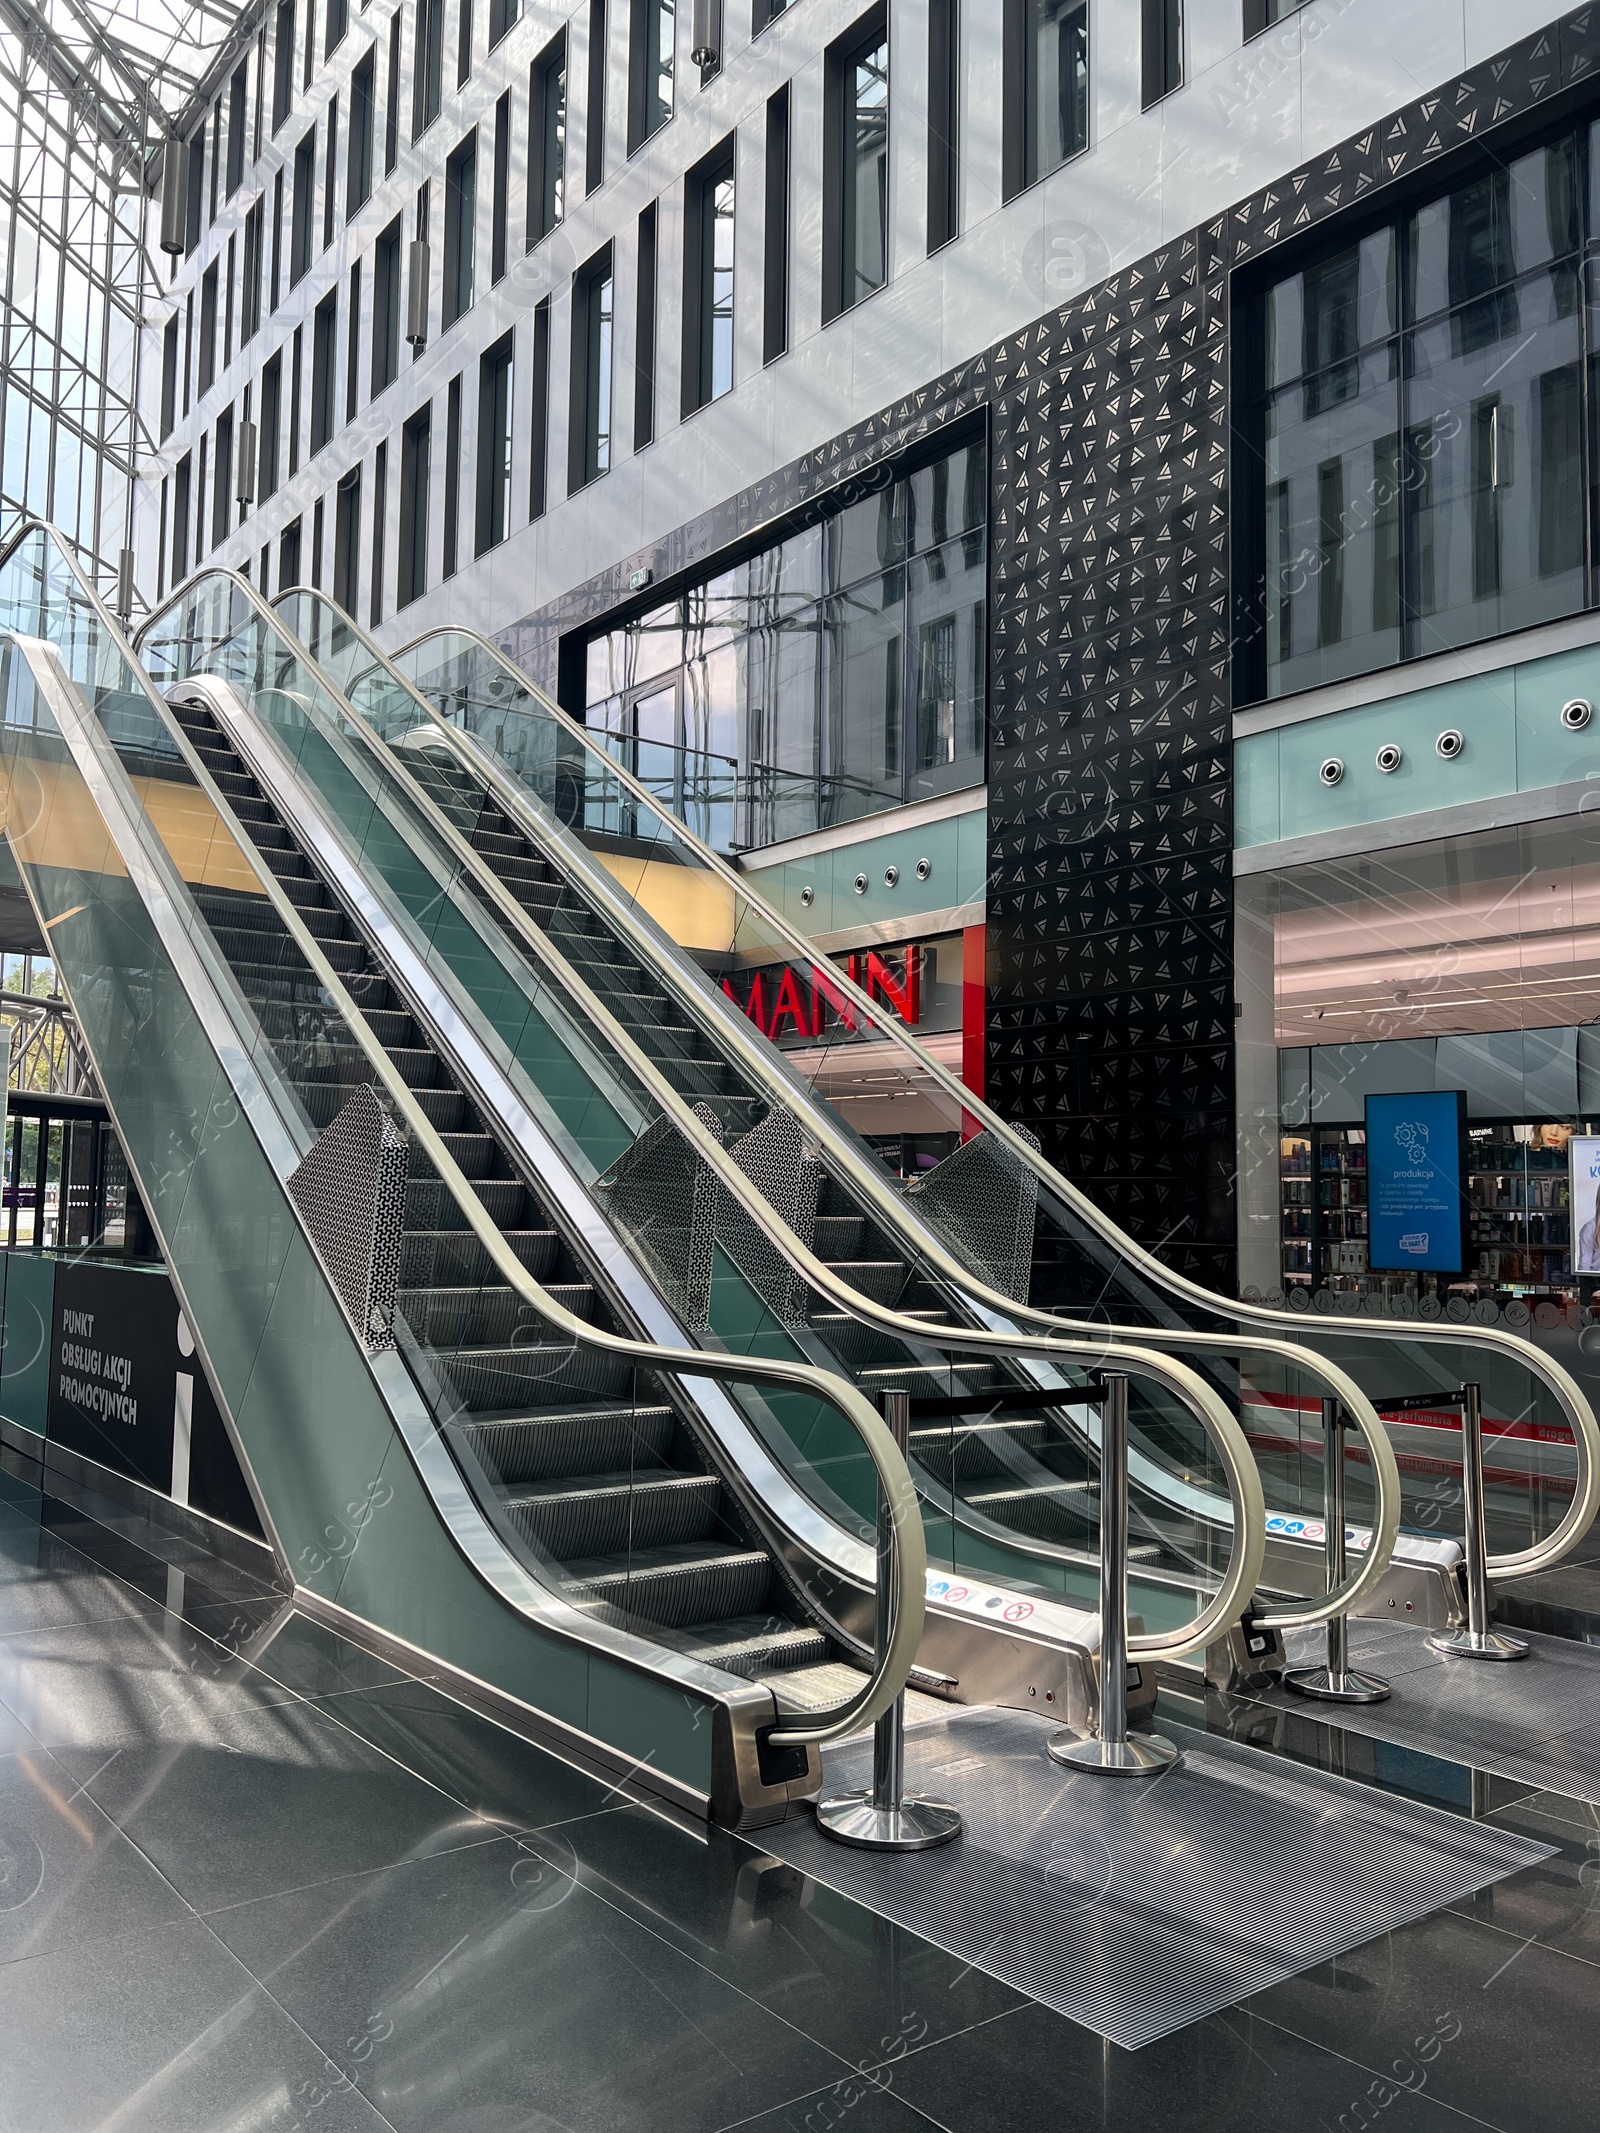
x: 252, y: 1879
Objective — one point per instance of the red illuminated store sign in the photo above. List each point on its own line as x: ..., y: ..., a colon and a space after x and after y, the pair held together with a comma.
x: 789, y: 1001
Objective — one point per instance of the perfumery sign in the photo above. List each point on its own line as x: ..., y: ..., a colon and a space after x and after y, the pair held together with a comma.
x: 1416, y: 1182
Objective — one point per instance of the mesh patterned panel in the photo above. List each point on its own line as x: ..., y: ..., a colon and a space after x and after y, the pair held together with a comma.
x: 661, y: 1193
x: 982, y: 1196
x: 782, y: 1166
x: 351, y: 1193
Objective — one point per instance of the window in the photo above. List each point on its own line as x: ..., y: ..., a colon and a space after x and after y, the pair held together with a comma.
x: 1260, y: 15
x: 452, y: 475
x: 324, y: 374
x: 1046, y: 89
x: 708, y: 280
x: 352, y: 358
x: 416, y: 449
x: 277, y: 238
x: 295, y: 401
x: 289, y: 557
x: 254, y: 246
x: 188, y: 346
x: 222, y: 481
x: 589, y: 430
x: 644, y: 334
x: 493, y: 517
x: 182, y: 484
x: 651, y: 34
x: 227, y: 316
x: 195, y: 217
x: 766, y: 11
x: 330, y: 174
x: 539, y: 444
x: 464, y: 44
x: 271, y: 424
x: 380, y: 514
x: 358, y: 156
x: 500, y: 206
x: 944, y: 122
x: 502, y: 15
x: 427, y: 80
x: 836, y: 673
x: 391, y: 120
x: 1416, y: 418
x: 216, y: 159
x: 169, y: 377
x: 261, y: 93
x: 338, y: 23
x: 347, y: 541
x: 305, y: 185
x: 208, y: 329
x: 316, y: 546
x: 283, y: 64
x: 460, y: 227
x: 594, y: 144
x: 775, y: 227
x: 855, y: 257
x: 547, y: 139
x: 1161, y: 49
x: 386, y: 308
x: 309, y: 68
x: 238, y: 91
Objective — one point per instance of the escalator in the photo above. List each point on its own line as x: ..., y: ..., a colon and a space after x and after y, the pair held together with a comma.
x: 466, y: 1405
x: 672, y: 934
x: 727, y: 1262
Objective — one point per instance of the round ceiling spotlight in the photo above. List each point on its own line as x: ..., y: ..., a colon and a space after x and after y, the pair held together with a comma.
x: 924, y: 869
x: 860, y: 885
x: 1576, y: 714
x: 1390, y: 757
x: 1332, y: 771
x: 808, y: 896
x: 1450, y: 743
x: 891, y: 877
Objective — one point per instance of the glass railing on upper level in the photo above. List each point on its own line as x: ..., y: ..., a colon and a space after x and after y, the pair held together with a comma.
x: 829, y: 1043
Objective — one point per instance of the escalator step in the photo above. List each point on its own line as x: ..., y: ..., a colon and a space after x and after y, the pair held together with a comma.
x: 750, y: 1645
x: 699, y: 1582
x: 600, y: 1514
x: 570, y: 1441
x: 499, y: 1380
x: 430, y: 1205
x: 488, y: 1317
x: 447, y: 1258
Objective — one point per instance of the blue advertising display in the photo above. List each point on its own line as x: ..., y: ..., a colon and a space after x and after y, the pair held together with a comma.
x: 1416, y: 1186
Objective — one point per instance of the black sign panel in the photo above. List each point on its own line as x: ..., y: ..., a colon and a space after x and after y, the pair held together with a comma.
x: 128, y: 1390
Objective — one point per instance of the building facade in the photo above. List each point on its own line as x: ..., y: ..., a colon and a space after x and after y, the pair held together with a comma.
x: 1092, y: 502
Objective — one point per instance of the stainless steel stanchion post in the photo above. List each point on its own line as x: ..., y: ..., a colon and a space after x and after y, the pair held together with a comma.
x: 885, y: 1817
x: 1337, y: 1682
x: 1477, y: 1640
x: 1113, y: 1748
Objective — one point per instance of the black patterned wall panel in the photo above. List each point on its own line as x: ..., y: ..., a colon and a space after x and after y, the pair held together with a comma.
x: 1110, y: 1029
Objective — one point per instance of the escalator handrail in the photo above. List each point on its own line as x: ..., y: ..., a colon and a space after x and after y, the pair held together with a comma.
x: 1238, y: 1582
x: 908, y: 1565
x: 1105, y: 1346
x: 759, y: 1057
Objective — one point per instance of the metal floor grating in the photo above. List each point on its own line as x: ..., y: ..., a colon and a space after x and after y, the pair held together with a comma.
x: 1537, y: 1719
x: 1136, y: 1907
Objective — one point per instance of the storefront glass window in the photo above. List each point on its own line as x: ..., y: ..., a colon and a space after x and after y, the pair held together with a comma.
x: 1424, y: 396
x: 831, y: 676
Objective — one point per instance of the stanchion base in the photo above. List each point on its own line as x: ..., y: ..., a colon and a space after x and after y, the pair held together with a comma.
x: 916, y: 1825
x: 1328, y: 1687
x: 1484, y: 1644
x: 1138, y: 1755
